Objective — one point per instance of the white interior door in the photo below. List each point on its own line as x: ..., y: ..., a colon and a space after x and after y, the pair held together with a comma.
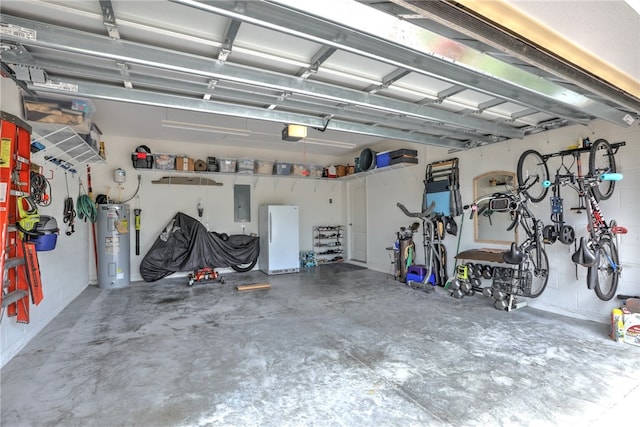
x: 358, y: 220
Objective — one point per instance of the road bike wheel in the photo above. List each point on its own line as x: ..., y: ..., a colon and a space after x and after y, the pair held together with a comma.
x: 531, y: 163
x: 539, y: 270
x: 243, y: 268
x: 606, y: 272
x: 601, y: 160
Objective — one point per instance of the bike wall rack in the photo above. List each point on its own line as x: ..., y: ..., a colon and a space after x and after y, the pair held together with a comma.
x: 574, y: 151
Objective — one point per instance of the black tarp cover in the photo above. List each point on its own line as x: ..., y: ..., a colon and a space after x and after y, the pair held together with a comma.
x: 186, y: 245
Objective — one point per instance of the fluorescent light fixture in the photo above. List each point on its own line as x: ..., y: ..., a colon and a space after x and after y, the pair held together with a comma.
x: 204, y: 128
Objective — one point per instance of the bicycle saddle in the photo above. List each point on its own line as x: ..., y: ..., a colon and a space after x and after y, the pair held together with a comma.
x: 425, y: 213
x: 584, y: 256
x: 514, y: 255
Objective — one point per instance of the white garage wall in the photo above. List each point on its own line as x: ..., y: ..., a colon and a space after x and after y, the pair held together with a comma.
x: 159, y: 203
x: 64, y: 270
x: 564, y: 294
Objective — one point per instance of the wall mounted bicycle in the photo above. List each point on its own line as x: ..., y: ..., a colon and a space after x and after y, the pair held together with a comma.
x: 599, y: 250
x: 601, y: 161
x: 530, y: 272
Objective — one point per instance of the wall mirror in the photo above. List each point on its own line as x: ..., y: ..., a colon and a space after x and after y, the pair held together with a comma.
x: 491, y: 226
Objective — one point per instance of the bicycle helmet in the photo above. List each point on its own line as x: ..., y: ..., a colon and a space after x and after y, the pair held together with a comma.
x: 450, y: 226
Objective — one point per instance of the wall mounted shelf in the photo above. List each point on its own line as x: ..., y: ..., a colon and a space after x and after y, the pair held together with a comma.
x: 384, y: 169
x: 62, y: 146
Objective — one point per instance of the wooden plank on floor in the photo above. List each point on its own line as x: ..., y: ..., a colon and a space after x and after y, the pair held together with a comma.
x: 253, y: 287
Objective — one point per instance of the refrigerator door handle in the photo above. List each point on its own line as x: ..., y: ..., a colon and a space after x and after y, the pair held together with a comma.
x: 270, y: 233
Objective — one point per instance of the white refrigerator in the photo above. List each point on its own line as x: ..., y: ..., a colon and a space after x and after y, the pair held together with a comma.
x: 279, y: 239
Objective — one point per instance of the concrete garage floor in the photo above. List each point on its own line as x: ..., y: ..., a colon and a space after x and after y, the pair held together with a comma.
x: 331, y: 346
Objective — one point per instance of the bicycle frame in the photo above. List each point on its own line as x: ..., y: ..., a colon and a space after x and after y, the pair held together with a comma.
x: 529, y: 256
x: 598, y: 252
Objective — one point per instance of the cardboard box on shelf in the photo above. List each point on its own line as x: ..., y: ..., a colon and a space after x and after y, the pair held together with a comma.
x: 184, y: 163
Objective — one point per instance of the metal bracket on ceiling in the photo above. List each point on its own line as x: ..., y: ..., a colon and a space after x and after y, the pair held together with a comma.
x: 7, y: 72
x: 281, y: 97
x: 124, y: 72
x: 27, y: 73
x: 229, y: 39
x: 109, y: 19
x: 210, y: 87
x: 317, y: 60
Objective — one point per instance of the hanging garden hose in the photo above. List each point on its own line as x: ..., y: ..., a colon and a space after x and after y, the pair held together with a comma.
x: 85, y: 206
x: 40, y: 189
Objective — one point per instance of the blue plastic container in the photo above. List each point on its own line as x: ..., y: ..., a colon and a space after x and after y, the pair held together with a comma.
x: 416, y: 273
x: 383, y: 159
x: 45, y: 242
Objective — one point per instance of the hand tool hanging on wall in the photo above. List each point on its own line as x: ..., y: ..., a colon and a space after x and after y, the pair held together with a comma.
x: 137, y: 211
x: 68, y: 212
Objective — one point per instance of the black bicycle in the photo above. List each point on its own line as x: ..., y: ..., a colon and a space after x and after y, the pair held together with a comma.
x: 599, y: 250
x: 530, y: 274
x: 601, y: 160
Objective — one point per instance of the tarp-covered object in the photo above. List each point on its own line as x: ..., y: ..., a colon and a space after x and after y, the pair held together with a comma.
x: 186, y: 245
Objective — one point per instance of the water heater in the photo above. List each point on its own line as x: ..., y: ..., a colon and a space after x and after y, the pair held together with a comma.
x: 113, y: 246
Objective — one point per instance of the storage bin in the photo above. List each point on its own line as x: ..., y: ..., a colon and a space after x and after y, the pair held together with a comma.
x: 212, y: 164
x: 69, y: 111
x: 315, y: 171
x: 227, y: 165
x: 246, y: 165
x: 300, y: 169
x: 165, y: 161
x: 383, y: 158
x: 264, y: 167
x: 282, y: 168
x: 417, y: 273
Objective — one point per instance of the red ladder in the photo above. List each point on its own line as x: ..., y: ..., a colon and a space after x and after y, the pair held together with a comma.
x: 18, y: 259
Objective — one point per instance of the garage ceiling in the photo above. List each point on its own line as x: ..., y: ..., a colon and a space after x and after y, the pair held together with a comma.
x: 354, y: 72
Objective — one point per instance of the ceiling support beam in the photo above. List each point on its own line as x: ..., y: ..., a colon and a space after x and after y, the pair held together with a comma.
x: 388, y: 80
x: 137, y: 96
x: 133, y: 53
x: 229, y: 39
x: 178, y: 85
x: 382, y: 37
